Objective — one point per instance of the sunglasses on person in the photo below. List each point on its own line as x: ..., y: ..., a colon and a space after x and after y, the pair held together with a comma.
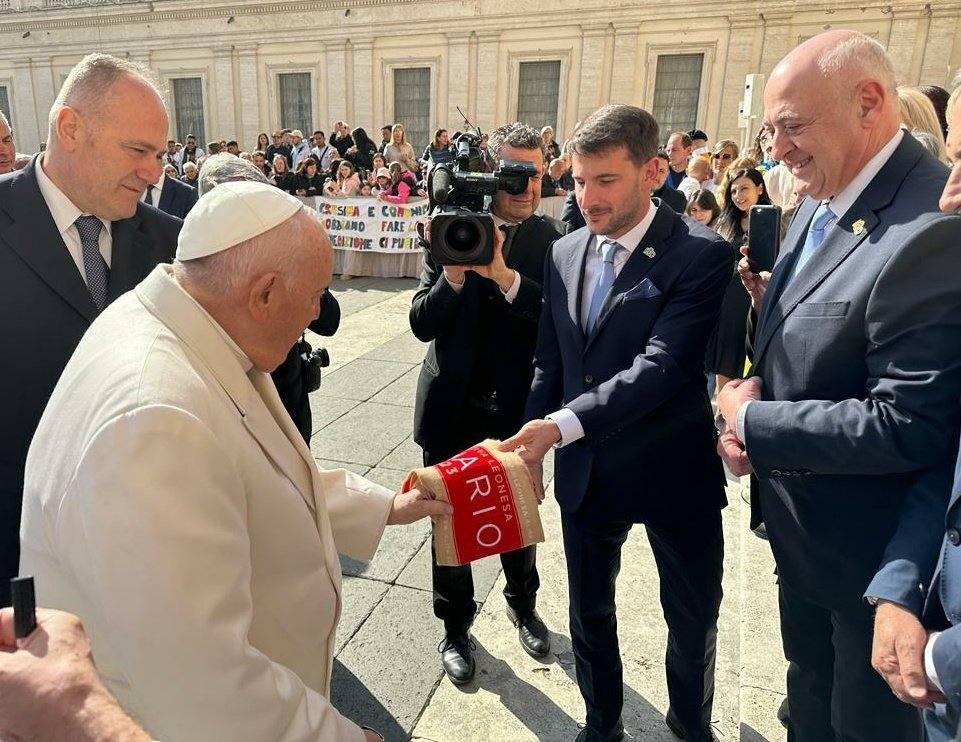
x: 723, y: 156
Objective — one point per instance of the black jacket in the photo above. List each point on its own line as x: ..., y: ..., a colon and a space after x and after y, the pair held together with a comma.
x: 572, y: 215
x: 312, y: 186
x: 672, y: 197
x: 477, y: 338
x: 176, y: 198
x: 45, y: 308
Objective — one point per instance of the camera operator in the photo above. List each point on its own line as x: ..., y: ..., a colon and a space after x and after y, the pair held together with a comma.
x: 481, y: 321
x: 299, y: 374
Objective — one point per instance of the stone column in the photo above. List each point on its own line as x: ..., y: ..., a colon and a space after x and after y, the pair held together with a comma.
x: 624, y: 65
x: 458, y: 80
x: 29, y: 126
x: 44, y: 89
x: 487, y: 115
x: 363, y: 88
x: 248, y: 93
x: 592, y: 72
x: 221, y: 90
x: 336, y: 84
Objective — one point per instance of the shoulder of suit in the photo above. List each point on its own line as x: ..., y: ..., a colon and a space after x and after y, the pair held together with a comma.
x: 549, y: 224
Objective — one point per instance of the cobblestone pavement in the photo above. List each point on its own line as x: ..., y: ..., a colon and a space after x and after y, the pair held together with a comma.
x: 387, y: 671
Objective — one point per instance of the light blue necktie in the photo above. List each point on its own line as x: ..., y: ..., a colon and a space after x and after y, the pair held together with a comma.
x: 94, y: 266
x: 823, y: 218
x: 609, y: 249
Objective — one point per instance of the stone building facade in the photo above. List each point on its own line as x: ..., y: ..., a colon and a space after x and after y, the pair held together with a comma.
x: 233, y: 69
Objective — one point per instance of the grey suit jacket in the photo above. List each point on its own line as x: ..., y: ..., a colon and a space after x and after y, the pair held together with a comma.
x: 860, y: 355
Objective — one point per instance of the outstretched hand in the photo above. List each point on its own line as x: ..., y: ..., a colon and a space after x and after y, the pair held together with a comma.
x: 413, y: 505
x: 531, y: 443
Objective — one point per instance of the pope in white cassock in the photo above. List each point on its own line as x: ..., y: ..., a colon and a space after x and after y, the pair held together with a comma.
x: 171, y: 503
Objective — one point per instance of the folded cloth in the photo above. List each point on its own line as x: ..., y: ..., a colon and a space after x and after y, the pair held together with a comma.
x: 494, y: 501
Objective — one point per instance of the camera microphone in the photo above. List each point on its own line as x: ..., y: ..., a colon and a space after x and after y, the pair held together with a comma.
x: 440, y: 185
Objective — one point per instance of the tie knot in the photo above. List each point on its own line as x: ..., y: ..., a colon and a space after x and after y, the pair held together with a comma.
x: 822, y: 217
x: 89, y: 227
x: 609, y: 250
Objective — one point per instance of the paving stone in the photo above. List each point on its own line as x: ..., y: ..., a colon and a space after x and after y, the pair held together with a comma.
x: 417, y: 573
x: 365, y: 435
x: 359, y: 597
x: 397, y: 547
x: 406, y: 348
x: 330, y: 464
x: 356, y: 299
x: 401, y: 392
x: 340, y: 285
x: 389, y: 478
x: 363, y: 378
x: 406, y: 456
x: 326, y: 408
x: 387, y: 672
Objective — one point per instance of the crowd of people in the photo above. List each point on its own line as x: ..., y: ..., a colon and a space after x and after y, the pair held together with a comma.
x: 152, y: 432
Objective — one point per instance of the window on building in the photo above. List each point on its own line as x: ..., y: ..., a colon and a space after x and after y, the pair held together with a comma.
x: 537, y: 91
x: 5, y: 103
x: 188, y: 102
x: 412, y: 105
x: 295, y: 101
x: 677, y: 86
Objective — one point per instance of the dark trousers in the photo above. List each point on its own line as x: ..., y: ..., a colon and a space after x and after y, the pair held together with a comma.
x: 10, y: 503
x: 833, y: 692
x: 689, y: 556
x: 454, y: 586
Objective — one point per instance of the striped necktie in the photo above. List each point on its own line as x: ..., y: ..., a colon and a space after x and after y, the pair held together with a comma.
x: 94, y: 266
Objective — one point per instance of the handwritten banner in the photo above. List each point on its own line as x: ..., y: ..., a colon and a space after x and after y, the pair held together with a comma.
x: 371, y: 225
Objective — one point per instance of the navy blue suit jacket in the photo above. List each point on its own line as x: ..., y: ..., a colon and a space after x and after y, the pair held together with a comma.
x: 859, y: 355
x: 636, y: 383
x: 176, y: 198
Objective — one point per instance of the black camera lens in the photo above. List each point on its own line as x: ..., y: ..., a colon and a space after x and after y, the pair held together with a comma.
x: 463, y: 235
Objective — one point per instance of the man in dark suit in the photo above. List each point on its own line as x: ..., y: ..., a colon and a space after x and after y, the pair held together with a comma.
x: 481, y: 322
x: 171, y: 196
x: 73, y: 238
x: 629, y: 304
x: 857, y: 378
x: 671, y: 196
x: 917, y: 639
x: 571, y: 215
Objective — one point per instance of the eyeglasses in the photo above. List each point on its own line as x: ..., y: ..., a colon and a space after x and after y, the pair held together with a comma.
x: 723, y: 156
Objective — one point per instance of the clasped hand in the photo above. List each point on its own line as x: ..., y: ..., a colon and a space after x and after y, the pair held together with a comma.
x: 531, y: 443
x: 898, y: 654
x: 729, y: 447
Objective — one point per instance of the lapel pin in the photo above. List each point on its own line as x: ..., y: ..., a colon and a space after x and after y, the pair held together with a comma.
x: 649, y: 251
x: 858, y: 226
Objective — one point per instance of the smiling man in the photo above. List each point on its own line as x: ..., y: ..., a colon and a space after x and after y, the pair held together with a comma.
x: 73, y: 237
x: 629, y: 303
x: 858, y: 378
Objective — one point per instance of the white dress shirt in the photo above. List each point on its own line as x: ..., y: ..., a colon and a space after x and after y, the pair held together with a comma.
x: 565, y: 419
x: 64, y: 215
x: 515, y: 287
x: 840, y: 205
x: 154, y: 199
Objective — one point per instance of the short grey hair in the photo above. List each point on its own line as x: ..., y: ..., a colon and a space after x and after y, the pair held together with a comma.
x: 617, y: 126
x: 859, y: 52
x: 88, y: 84
x: 278, y: 249
x: 5, y: 120
x: 516, y: 135
x: 225, y: 167
x: 189, y: 164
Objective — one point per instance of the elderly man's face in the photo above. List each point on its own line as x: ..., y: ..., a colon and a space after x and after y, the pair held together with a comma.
x: 813, y: 131
x: 190, y: 171
x: 8, y: 148
x: 115, y: 153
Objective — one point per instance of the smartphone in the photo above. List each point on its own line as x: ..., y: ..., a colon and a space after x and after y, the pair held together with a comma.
x: 764, y: 237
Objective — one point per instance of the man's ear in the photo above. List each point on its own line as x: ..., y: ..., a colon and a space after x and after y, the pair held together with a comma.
x: 870, y: 97
x: 262, y: 296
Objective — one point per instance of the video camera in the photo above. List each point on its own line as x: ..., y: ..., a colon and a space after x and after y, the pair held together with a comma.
x: 461, y: 227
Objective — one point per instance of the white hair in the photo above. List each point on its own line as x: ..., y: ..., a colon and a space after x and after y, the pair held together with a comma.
x: 5, y: 120
x: 862, y: 53
x: 280, y: 249
x: 88, y: 84
x: 225, y: 167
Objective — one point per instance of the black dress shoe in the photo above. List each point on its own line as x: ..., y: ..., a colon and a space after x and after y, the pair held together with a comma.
x: 675, y: 726
x: 457, y: 657
x: 592, y: 735
x: 534, y: 636
x: 783, y: 715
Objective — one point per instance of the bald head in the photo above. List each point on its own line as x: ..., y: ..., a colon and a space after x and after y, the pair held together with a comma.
x: 108, y: 132
x: 830, y: 106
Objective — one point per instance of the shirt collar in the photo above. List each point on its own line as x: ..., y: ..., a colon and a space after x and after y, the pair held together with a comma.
x: 630, y: 240
x: 159, y: 185
x: 62, y: 209
x: 498, y: 222
x: 849, y: 194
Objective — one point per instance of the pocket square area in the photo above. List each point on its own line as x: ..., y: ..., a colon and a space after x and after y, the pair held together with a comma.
x: 643, y: 290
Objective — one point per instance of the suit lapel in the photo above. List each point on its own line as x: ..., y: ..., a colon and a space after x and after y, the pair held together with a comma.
x: 839, y: 243
x: 34, y: 236
x: 166, y: 196
x: 650, y: 249
x: 132, y: 256
x: 574, y: 279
